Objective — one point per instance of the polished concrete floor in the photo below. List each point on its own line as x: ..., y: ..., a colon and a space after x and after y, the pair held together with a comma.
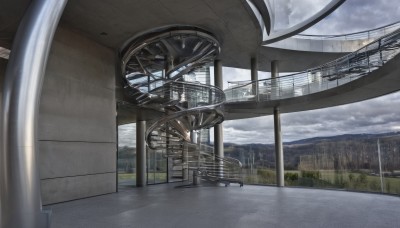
x: 251, y: 206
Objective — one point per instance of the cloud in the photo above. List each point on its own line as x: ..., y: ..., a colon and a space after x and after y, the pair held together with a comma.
x: 372, y: 116
x: 358, y: 15
x: 127, y: 135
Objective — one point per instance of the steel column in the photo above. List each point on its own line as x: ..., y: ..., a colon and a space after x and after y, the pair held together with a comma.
x: 141, y: 170
x: 254, y: 76
x: 277, y: 131
x: 218, y: 129
x: 20, y: 194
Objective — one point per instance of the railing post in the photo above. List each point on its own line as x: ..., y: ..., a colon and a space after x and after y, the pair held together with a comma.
x: 380, y: 51
x: 366, y: 53
x: 293, y: 86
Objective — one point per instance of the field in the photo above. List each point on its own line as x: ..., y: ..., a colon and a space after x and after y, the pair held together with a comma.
x: 355, y: 181
x: 130, y: 178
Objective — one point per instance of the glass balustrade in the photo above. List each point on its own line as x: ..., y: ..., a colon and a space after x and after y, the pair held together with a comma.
x: 333, y: 74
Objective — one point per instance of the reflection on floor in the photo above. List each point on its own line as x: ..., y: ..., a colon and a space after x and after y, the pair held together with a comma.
x: 215, y: 206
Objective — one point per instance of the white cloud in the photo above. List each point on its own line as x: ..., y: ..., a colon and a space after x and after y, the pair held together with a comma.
x: 372, y: 116
x: 358, y: 15
x: 127, y: 135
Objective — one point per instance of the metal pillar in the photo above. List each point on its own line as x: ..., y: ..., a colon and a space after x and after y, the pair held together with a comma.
x: 278, y: 135
x: 254, y: 76
x: 218, y: 129
x: 274, y: 83
x: 20, y: 195
x: 141, y: 170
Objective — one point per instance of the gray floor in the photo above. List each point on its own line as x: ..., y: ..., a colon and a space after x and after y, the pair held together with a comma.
x: 251, y: 206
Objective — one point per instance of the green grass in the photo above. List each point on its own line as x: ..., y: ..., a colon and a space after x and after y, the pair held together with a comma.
x: 158, y: 177
x: 354, y: 181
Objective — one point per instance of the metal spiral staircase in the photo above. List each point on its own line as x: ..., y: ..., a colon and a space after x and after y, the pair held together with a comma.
x: 157, y: 69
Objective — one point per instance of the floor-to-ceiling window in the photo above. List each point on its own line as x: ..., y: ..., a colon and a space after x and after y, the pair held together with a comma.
x: 156, y: 167
x: 126, y: 162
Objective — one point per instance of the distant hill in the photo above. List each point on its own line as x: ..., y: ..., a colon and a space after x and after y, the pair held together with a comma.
x: 340, y: 152
x: 345, y: 137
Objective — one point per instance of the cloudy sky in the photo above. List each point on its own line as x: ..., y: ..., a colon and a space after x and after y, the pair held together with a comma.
x: 373, y: 116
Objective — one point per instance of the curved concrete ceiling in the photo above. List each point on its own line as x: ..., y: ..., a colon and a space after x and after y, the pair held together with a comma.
x: 111, y: 22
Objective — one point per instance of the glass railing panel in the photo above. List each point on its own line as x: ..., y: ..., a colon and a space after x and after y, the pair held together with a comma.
x: 368, y: 35
x: 289, y: 13
x: 350, y: 165
x: 258, y: 162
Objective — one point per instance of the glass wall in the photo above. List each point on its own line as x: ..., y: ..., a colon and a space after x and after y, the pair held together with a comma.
x: 359, y: 164
x: 126, y: 163
x: 258, y: 162
x: 156, y: 167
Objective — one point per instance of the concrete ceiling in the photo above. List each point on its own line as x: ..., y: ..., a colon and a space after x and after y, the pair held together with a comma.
x: 113, y: 22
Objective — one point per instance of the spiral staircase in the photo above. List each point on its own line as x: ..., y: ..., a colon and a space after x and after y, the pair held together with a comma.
x: 158, y: 70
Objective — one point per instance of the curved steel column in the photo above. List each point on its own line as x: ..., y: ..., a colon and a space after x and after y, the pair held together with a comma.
x: 19, y: 174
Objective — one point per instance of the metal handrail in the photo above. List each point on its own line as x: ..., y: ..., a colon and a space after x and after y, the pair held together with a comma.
x: 330, y: 75
x: 365, y: 34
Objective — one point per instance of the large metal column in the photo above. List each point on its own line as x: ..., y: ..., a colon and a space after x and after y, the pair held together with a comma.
x: 218, y: 129
x: 254, y: 76
x: 278, y: 135
x: 141, y: 170
x: 20, y: 196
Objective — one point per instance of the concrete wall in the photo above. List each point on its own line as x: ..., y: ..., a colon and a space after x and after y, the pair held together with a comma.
x: 77, y: 124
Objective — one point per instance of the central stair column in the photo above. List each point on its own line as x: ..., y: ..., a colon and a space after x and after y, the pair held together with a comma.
x: 140, y: 153
x: 278, y: 135
x: 218, y: 129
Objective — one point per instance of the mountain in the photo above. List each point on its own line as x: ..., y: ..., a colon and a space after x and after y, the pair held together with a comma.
x: 341, y: 152
x: 344, y: 137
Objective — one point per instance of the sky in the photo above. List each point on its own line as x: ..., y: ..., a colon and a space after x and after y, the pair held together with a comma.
x: 372, y: 116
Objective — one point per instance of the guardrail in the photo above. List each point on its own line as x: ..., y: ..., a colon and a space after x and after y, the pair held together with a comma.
x: 363, y: 35
x: 330, y: 75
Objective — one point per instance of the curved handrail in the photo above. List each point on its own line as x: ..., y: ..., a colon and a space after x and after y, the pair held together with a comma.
x: 156, y: 65
x: 211, y: 100
x: 365, y: 34
x: 324, y: 77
